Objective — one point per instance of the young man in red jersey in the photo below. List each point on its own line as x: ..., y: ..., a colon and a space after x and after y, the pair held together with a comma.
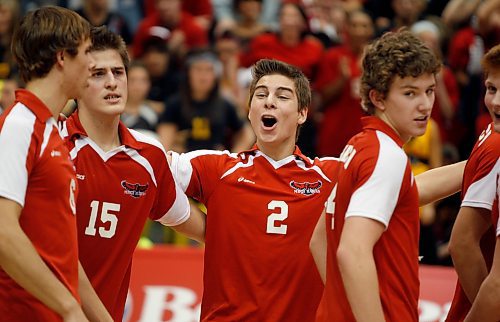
x: 479, y: 210
x: 373, y: 221
x: 40, y: 278
x: 262, y: 207
x: 123, y: 177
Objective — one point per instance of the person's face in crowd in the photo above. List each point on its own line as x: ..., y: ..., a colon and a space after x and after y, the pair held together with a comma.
x: 106, y: 93
x: 99, y: 4
x: 202, y: 77
x: 138, y: 84
x: 169, y: 11
x: 291, y: 19
x: 492, y: 97
x: 407, y: 10
x: 274, y: 113
x: 408, y: 105
x: 156, y: 62
x: 227, y: 48
x: 431, y: 40
x: 250, y: 9
x: 360, y: 28
x: 6, y: 16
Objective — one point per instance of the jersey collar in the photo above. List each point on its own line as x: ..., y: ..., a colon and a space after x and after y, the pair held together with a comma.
x: 297, y: 153
x: 75, y: 130
x: 375, y: 123
x: 32, y: 102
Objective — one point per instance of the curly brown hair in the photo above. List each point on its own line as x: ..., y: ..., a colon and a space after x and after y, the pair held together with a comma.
x: 394, y: 54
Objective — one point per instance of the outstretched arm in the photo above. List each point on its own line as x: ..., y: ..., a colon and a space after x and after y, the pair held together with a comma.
x: 438, y: 183
x: 194, y: 227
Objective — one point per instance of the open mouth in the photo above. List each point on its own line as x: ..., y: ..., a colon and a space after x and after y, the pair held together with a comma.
x: 269, y: 121
x: 112, y: 97
x: 422, y: 118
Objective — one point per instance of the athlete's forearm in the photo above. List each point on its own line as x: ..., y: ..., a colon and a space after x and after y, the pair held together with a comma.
x: 439, y: 183
x: 92, y: 306
x: 318, y: 246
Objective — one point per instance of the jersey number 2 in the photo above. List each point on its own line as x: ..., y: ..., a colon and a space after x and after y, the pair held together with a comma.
x: 272, y: 227
x: 105, y: 216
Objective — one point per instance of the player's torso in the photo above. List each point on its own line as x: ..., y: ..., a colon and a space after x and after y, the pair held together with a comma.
x: 260, y: 220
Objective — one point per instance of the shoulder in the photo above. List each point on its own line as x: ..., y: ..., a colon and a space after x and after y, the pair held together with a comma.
x: 147, y: 142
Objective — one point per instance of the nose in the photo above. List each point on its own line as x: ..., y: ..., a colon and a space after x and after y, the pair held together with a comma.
x: 270, y: 101
x: 110, y: 81
x: 427, y: 102
x: 496, y: 100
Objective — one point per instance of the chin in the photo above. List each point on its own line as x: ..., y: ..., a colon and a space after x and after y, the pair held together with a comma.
x: 496, y: 126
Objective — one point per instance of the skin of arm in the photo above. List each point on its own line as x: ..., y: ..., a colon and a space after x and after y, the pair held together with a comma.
x: 486, y: 307
x: 487, y: 13
x: 333, y: 90
x: 457, y: 11
x: 92, y: 306
x: 194, y: 227
x: 470, y: 226
x: 20, y: 260
x: 166, y: 133
x: 439, y: 183
x: 358, y: 269
x: 318, y: 246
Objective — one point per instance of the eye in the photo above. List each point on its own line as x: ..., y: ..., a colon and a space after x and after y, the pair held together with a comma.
x: 283, y: 97
x: 430, y: 91
x: 491, y: 89
x: 409, y: 93
x: 260, y: 95
x: 98, y: 73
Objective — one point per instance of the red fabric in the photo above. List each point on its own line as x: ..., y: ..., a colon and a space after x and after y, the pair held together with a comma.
x: 47, y: 217
x: 398, y: 245
x: 260, y: 232
x: 342, y: 115
x: 194, y: 7
x: 458, y: 54
x: 306, y: 55
x: 481, y: 162
x: 195, y: 35
x: 111, y: 217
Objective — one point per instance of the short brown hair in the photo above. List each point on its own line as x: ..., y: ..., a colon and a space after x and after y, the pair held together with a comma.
x: 394, y: 54
x: 104, y: 39
x: 491, y: 61
x: 41, y: 34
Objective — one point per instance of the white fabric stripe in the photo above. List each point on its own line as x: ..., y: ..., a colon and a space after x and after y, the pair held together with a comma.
x: 498, y: 201
x: 377, y: 197
x: 301, y: 164
x: 63, y: 129
x: 481, y: 193
x: 238, y: 165
x: 15, y: 140
x: 141, y: 137
x: 180, y: 210
x: 79, y: 144
x: 49, y: 126
x: 134, y: 155
x: 182, y: 169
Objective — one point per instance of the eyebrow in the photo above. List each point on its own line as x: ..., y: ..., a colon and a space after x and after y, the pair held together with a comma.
x: 117, y: 68
x: 281, y: 88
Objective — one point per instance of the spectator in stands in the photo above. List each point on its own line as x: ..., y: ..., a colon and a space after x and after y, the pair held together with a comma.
x: 201, y: 10
x: 138, y: 113
x: 98, y: 13
x: 338, y: 86
x: 7, y: 96
x: 199, y: 111
x: 226, y: 15
x: 180, y: 29
x: 327, y: 21
x: 9, y: 19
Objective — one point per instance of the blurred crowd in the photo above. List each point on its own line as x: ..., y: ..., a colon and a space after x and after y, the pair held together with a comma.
x: 189, y: 76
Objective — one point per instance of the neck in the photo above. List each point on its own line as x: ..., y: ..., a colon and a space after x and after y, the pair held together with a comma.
x: 43, y: 88
x: 290, y: 38
x: 276, y: 151
x: 102, y: 129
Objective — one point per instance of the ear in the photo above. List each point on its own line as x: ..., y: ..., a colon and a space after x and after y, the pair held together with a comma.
x: 302, y: 117
x: 60, y: 58
x: 377, y: 99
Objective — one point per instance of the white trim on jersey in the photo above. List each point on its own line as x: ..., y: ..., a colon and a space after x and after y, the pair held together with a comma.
x: 239, y: 165
x: 79, y: 144
x: 143, y: 138
x: 179, y: 212
x: 134, y: 155
x: 63, y: 129
x: 378, y: 196
x: 49, y: 126
x: 301, y: 164
x: 181, y: 164
x: 498, y: 201
x: 481, y: 193
x: 15, y: 140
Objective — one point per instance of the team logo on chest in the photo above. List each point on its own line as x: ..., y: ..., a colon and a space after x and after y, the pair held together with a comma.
x: 306, y: 188
x: 135, y: 190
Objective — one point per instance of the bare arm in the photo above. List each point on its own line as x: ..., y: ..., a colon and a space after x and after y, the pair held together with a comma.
x: 318, y: 246
x: 439, y: 183
x: 470, y: 226
x: 457, y: 11
x: 358, y: 269
x: 486, y: 307
x: 20, y: 260
x: 92, y: 306
x: 194, y: 227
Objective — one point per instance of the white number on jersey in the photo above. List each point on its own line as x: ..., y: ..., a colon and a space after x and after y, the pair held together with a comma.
x: 106, y: 216
x: 330, y: 205
x: 272, y: 227
x: 347, y: 155
x: 484, y: 135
